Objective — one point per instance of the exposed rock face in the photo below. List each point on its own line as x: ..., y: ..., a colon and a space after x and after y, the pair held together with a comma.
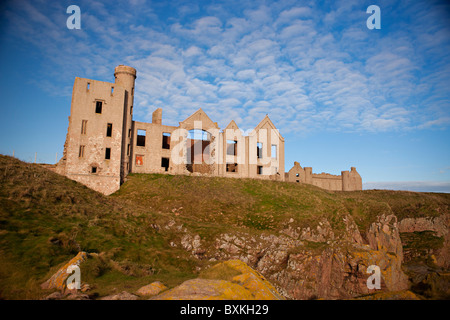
x: 337, y: 272
x: 318, y: 262
x: 206, y: 289
x: 439, y: 226
x: 59, y: 279
x: 192, y: 244
x: 322, y: 261
x: 395, y: 295
x: 352, y: 233
x: 121, y: 296
x: 384, y: 235
x: 247, y: 284
x: 151, y: 289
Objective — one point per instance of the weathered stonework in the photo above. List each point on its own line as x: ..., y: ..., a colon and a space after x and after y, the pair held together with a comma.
x: 347, y: 181
x: 103, y: 143
x: 99, y: 121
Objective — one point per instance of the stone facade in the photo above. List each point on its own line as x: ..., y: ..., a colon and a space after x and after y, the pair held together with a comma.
x: 104, y: 144
x: 347, y: 181
x: 160, y: 148
x: 99, y: 127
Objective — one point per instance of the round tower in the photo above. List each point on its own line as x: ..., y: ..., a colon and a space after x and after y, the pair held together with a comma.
x: 125, y: 77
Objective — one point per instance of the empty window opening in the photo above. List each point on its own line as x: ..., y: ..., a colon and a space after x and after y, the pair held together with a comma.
x: 198, y: 134
x: 98, y: 106
x: 131, y: 110
x: 232, y: 167
x: 165, y: 163
x: 109, y: 130
x: 112, y: 90
x: 129, y: 133
x: 81, y: 152
x: 199, y: 151
x: 231, y: 147
x: 259, y: 170
x: 140, y: 141
x: 88, y: 85
x: 132, y: 91
x: 128, y: 150
x: 259, y: 147
x: 166, y: 140
x: 93, y: 169
x: 108, y: 153
x: 297, y: 180
x: 297, y: 174
x: 139, y: 160
x: 83, y: 126
x: 274, y: 151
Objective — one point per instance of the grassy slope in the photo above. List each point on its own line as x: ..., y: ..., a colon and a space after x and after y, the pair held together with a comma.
x: 45, y: 219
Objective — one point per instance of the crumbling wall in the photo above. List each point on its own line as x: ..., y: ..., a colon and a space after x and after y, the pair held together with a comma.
x: 351, y: 181
x: 347, y: 181
x: 327, y: 181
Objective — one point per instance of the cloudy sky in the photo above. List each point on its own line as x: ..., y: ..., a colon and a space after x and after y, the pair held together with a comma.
x: 341, y: 94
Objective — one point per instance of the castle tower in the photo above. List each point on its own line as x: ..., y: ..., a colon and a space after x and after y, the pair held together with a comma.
x: 96, y: 151
x: 351, y: 181
x: 125, y: 77
x: 345, y: 180
x: 308, y: 175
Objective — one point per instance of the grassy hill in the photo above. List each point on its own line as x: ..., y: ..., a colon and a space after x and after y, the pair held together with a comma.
x: 45, y: 219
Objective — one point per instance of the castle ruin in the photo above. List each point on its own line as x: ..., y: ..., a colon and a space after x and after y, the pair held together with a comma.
x: 103, y: 143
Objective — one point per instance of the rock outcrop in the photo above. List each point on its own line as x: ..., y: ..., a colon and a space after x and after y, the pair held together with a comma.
x: 151, y: 289
x: 437, y: 224
x: 124, y: 295
x: 59, y: 279
x: 246, y: 284
x: 383, y: 235
x: 438, y: 228
x: 319, y: 262
x: 322, y: 261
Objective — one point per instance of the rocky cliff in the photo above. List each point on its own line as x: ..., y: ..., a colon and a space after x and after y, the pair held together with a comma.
x: 160, y: 231
x: 323, y: 262
x: 319, y: 263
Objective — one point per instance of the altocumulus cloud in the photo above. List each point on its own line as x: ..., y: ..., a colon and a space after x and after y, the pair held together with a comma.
x: 309, y: 66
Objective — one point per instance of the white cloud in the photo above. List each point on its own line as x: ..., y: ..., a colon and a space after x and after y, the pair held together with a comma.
x: 192, y: 51
x: 319, y: 66
x: 416, y: 186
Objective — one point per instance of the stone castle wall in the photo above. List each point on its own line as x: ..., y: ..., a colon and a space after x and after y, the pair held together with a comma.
x: 104, y: 144
x: 347, y: 181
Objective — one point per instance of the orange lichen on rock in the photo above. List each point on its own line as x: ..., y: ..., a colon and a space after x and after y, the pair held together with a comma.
x: 248, y: 284
x: 58, y: 280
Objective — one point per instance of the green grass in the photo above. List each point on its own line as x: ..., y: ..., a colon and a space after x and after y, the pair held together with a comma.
x: 45, y: 219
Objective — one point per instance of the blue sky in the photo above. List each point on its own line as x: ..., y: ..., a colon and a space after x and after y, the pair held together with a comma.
x: 342, y: 95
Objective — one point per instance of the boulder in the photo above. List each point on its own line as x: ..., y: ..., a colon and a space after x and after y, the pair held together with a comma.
x: 206, y: 289
x: 241, y: 283
x: 151, y: 289
x: 121, y: 296
x: 58, y: 280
